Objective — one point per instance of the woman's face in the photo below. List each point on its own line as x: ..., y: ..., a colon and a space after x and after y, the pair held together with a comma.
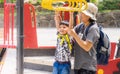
x: 63, y: 29
x: 84, y: 18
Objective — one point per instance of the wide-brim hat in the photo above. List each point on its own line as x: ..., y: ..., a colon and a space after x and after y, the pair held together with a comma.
x: 91, y: 11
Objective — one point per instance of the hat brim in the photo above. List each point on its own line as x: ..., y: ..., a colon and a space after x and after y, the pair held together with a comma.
x: 89, y: 14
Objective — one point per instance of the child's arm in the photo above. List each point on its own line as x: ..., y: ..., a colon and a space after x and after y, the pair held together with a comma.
x: 57, y: 19
x: 71, y: 20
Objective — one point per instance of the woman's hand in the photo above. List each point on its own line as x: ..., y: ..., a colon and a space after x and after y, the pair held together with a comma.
x: 71, y: 32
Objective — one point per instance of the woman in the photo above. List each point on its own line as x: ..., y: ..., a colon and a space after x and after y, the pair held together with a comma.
x: 85, y: 54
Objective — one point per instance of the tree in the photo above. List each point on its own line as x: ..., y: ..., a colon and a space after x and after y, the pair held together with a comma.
x: 95, y: 1
x: 1, y: 1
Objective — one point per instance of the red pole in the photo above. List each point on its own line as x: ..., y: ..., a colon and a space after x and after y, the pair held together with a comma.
x: 4, y: 21
x: 12, y: 23
x: 8, y: 24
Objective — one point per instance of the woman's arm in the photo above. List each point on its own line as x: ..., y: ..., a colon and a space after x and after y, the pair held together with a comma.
x: 71, y: 20
x: 86, y: 45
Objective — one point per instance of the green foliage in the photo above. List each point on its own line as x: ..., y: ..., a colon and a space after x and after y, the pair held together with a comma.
x: 109, y: 5
x: 95, y: 1
x: 39, y: 1
x: 12, y: 1
x: 1, y: 1
x: 35, y: 1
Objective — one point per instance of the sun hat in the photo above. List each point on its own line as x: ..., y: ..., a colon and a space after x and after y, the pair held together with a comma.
x: 91, y: 11
x: 64, y: 23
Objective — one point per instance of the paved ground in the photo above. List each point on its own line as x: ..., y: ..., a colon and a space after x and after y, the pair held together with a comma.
x: 32, y: 65
x: 9, y: 66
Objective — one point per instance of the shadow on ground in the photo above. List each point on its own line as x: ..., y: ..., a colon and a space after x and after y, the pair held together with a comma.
x: 40, y: 67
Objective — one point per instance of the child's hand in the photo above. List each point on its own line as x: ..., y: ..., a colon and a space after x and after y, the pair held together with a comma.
x: 57, y: 19
x: 57, y: 16
x: 57, y: 13
x: 71, y: 12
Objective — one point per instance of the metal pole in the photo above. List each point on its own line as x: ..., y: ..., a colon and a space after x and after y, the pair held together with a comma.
x: 20, y: 20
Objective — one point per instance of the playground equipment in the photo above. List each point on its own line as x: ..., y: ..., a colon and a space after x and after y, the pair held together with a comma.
x: 58, y: 5
x: 30, y: 39
x: 9, y: 40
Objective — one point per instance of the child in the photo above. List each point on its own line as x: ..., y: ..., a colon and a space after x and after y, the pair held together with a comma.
x: 62, y: 63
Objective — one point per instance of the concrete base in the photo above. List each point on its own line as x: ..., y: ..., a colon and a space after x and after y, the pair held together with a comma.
x: 39, y: 52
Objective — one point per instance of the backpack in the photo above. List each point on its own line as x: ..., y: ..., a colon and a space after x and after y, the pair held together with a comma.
x: 103, y: 47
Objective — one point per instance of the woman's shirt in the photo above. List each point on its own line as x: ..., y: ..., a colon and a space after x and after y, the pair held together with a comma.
x: 83, y: 59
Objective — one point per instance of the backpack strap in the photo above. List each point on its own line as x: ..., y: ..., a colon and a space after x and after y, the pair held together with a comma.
x: 87, y: 29
x: 102, y: 34
x: 86, y: 32
x: 78, y: 28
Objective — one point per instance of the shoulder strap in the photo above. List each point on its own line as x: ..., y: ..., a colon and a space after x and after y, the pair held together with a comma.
x: 102, y: 36
x: 87, y: 29
x: 78, y: 28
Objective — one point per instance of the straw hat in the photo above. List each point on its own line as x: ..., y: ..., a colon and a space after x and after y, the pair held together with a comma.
x: 91, y: 11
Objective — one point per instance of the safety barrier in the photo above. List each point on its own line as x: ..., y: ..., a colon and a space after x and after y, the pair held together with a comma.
x: 8, y: 39
x: 30, y: 38
x: 30, y: 34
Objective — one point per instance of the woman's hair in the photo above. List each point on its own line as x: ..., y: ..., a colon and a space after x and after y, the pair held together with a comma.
x: 91, y: 20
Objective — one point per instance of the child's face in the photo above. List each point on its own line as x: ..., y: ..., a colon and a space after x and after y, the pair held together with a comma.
x: 63, y: 29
